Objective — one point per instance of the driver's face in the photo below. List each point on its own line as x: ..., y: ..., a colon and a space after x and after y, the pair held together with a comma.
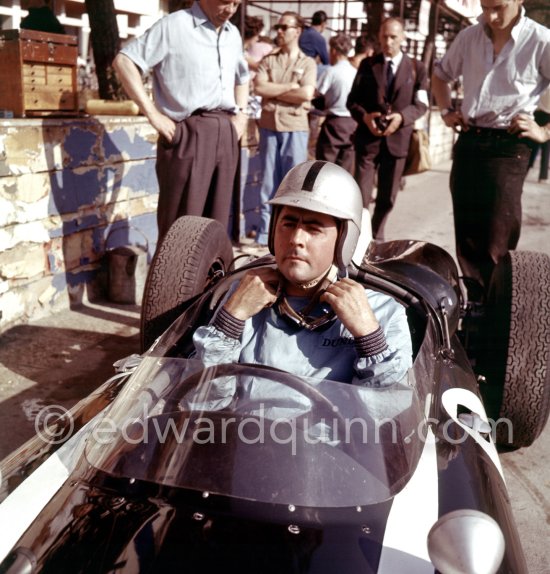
x: 304, y: 245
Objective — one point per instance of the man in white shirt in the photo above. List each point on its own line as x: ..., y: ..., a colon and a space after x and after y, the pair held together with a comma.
x: 200, y: 82
x: 505, y: 64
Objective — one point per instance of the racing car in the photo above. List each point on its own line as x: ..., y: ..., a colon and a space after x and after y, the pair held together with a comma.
x: 174, y: 466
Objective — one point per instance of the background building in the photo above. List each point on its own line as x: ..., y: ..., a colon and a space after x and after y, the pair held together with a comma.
x: 350, y: 16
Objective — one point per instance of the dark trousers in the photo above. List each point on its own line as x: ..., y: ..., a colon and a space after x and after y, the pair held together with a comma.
x: 544, y: 157
x: 196, y: 170
x: 334, y: 141
x: 489, y: 168
x: 542, y: 118
x: 369, y: 160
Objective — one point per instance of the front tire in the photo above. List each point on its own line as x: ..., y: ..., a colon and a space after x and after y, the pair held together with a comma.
x: 194, y: 252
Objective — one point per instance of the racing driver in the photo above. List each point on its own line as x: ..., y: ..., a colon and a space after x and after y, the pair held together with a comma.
x: 304, y: 314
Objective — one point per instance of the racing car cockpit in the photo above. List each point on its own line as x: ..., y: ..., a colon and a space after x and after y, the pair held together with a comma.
x: 259, y: 434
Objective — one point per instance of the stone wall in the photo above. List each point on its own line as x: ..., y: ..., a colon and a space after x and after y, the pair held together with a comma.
x: 442, y: 138
x: 69, y: 189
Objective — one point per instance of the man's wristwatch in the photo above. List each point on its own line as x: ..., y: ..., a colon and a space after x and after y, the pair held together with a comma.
x: 446, y: 111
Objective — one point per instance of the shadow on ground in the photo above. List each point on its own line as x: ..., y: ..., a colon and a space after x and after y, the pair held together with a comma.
x: 58, y: 361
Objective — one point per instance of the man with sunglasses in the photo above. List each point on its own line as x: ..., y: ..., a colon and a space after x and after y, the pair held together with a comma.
x: 200, y: 84
x: 303, y: 313
x: 285, y: 81
x: 505, y: 64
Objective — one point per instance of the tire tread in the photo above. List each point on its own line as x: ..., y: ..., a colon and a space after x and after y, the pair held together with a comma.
x: 526, y: 393
x: 180, y: 269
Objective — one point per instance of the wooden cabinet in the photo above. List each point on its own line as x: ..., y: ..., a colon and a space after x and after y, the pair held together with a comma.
x: 38, y: 73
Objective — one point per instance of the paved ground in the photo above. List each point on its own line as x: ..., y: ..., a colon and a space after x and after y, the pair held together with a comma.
x: 61, y: 358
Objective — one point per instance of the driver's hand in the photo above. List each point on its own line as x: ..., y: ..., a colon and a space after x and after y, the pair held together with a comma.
x: 351, y: 305
x: 257, y: 290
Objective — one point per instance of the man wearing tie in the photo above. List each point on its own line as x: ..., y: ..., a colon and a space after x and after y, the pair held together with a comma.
x: 389, y: 93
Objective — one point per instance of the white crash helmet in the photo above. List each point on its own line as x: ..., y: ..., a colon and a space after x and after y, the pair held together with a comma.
x: 323, y: 187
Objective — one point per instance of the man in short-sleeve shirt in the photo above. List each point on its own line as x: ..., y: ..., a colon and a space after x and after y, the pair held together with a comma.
x: 334, y: 141
x: 286, y: 82
x: 200, y: 84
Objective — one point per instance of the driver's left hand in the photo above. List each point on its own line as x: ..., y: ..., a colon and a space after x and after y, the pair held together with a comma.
x: 349, y: 301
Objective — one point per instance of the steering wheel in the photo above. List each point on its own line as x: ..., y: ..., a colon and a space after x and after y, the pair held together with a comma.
x: 325, y: 406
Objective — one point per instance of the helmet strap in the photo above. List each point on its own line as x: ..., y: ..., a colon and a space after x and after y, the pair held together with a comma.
x: 322, y: 282
x: 303, y: 318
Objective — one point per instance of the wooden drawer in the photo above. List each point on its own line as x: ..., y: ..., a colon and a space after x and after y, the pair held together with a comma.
x: 59, y: 76
x: 33, y: 75
x: 46, y: 98
x: 34, y: 72
x: 48, y: 52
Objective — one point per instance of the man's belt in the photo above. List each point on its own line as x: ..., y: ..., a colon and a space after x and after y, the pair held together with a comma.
x: 215, y: 111
x: 500, y: 133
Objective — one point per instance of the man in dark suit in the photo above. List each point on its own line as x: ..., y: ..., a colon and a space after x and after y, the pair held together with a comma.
x: 389, y: 93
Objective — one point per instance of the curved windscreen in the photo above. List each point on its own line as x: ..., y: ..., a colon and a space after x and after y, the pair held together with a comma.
x: 260, y: 434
